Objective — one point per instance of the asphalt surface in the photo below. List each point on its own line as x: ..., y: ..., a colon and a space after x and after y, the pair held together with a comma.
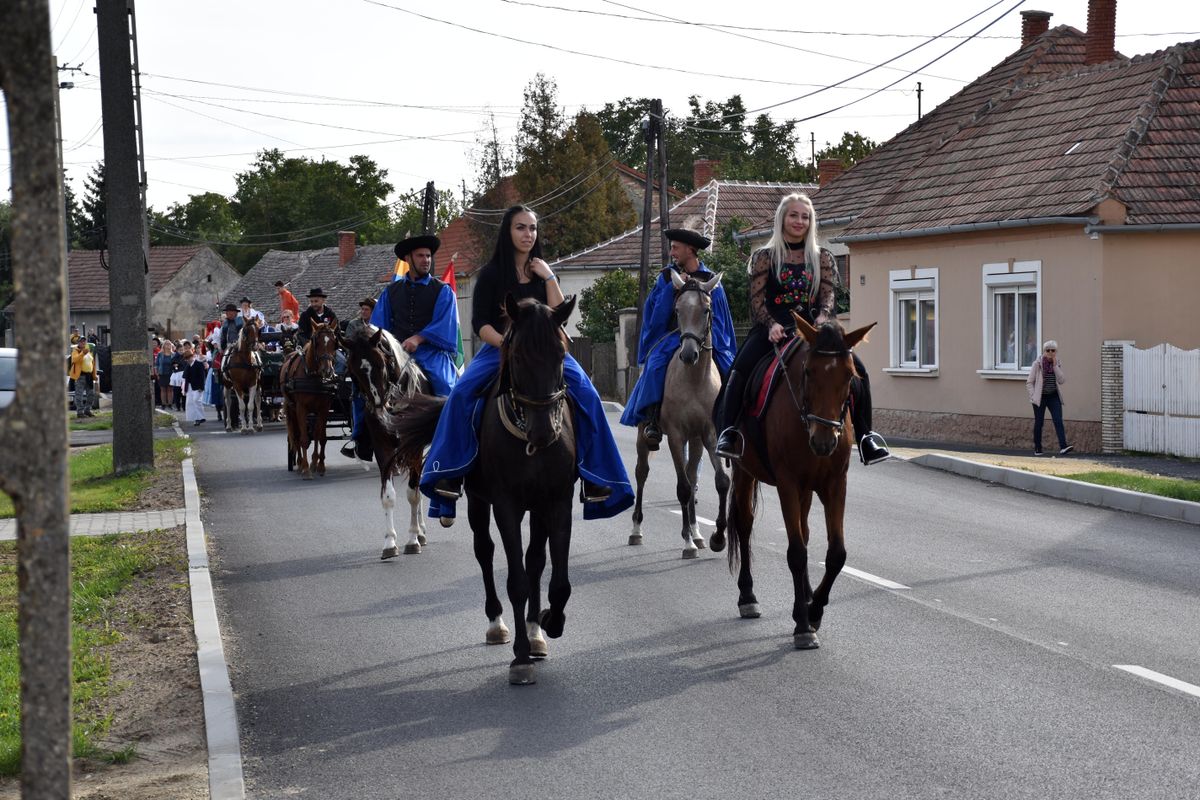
x: 990, y: 675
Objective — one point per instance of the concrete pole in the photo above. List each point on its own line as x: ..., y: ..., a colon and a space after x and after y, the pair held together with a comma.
x: 128, y: 285
x: 647, y: 210
x: 664, y: 210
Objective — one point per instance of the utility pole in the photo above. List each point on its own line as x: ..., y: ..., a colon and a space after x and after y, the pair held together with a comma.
x: 664, y: 211
x: 128, y: 287
x: 918, y: 100
x: 812, y: 139
x: 429, y: 210
x: 649, y: 127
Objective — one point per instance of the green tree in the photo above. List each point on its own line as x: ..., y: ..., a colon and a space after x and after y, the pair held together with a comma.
x: 406, y: 218
x: 207, y: 217
x: 853, y: 148
x: 93, y: 220
x: 729, y: 258
x: 600, y: 302
x: 301, y: 204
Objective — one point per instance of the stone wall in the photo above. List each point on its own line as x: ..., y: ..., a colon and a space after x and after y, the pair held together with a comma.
x: 1015, y: 433
x: 1112, y: 395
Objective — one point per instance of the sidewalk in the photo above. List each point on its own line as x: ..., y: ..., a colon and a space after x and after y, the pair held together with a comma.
x: 1054, y: 464
x: 114, y: 522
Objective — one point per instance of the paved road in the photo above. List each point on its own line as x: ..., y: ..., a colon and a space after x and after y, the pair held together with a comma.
x: 991, y: 675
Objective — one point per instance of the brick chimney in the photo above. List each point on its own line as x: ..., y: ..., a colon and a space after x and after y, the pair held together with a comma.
x: 1101, y: 31
x: 828, y: 169
x: 1033, y: 25
x: 703, y: 171
x: 345, y: 247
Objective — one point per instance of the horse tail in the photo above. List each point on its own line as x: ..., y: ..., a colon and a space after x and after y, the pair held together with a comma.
x: 746, y: 492
x: 413, y: 425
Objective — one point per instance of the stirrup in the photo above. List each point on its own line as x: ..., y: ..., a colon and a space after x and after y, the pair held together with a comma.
x: 652, y: 436
x: 450, y: 488
x: 348, y: 449
x: 872, y: 449
x: 594, y: 492
x: 730, y: 444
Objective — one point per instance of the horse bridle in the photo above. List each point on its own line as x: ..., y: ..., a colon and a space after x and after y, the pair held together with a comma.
x: 513, y: 417
x: 704, y: 342
x: 807, y: 416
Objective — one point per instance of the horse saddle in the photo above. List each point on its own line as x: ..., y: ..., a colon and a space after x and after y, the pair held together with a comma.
x: 764, y: 380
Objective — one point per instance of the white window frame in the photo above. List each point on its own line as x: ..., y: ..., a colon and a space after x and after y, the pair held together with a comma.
x: 918, y: 283
x: 1020, y: 277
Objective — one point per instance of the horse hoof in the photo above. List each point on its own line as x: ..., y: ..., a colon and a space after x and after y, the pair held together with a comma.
x: 552, y: 626
x: 497, y: 632
x: 635, y: 538
x: 412, y: 549
x: 447, y: 522
x: 805, y: 641
x: 422, y: 540
x: 699, y: 542
x: 716, y: 542
x: 690, y: 552
x: 389, y: 552
x: 307, y: 476
x: 521, y: 675
x: 538, y: 647
x: 750, y: 610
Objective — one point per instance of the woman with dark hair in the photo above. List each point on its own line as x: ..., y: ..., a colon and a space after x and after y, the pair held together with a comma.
x: 516, y: 267
x: 791, y: 273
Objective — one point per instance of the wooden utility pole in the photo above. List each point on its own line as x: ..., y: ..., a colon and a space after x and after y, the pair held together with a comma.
x: 128, y: 285
x: 429, y: 210
x: 649, y: 127
x: 33, y: 429
x: 664, y: 210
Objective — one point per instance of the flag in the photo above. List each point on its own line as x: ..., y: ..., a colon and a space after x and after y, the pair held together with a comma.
x: 401, y: 269
x: 448, y: 278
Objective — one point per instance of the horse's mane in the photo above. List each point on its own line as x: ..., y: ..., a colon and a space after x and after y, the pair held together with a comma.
x: 242, y: 331
x: 831, y: 338
x: 541, y: 340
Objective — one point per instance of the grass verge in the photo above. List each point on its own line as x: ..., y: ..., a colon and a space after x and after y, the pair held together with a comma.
x: 94, y: 487
x: 1176, y: 488
x: 100, y: 568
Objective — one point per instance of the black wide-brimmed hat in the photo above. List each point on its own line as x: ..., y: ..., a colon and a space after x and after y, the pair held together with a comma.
x: 369, y: 302
x: 416, y: 242
x: 316, y: 291
x: 230, y: 307
x: 687, y: 236
x: 246, y: 300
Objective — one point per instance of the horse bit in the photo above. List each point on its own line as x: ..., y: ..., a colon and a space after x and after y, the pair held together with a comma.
x: 806, y: 415
x: 513, y: 418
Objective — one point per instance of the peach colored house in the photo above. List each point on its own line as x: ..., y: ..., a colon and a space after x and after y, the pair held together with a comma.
x: 1056, y: 197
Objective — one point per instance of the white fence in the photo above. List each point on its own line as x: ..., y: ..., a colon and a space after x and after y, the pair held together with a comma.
x: 1162, y: 400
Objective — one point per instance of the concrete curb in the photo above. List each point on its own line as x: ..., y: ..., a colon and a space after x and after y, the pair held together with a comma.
x: 225, y: 781
x: 612, y: 405
x: 1066, y: 489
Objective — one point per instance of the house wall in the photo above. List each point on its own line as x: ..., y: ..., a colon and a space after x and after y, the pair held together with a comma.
x: 1151, y: 283
x: 195, y: 289
x: 955, y: 402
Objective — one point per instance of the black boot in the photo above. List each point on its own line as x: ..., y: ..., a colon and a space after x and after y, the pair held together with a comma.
x: 652, y: 433
x: 594, y: 492
x: 450, y: 488
x: 729, y: 443
x: 871, y: 446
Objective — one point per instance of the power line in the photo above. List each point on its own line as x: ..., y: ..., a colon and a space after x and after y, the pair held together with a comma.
x: 74, y: 19
x: 557, y: 191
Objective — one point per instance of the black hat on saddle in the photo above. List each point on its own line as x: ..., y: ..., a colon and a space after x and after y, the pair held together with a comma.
x: 688, y: 237
x: 406, y: 246
x: 316, y: 291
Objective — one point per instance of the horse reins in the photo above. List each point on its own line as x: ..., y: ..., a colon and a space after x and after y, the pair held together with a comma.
x: 802, y: 407
x: 703, y: 342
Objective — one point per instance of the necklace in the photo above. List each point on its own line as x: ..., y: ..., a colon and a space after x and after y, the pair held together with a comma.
x: 794, y: 245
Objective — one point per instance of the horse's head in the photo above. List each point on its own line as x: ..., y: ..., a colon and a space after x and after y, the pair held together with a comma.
x: 248, y: 338
x: 374, y: 363
x: 693, y: 309
x: 532, y: 356
x: 320, y: 351
x: 828, y: 370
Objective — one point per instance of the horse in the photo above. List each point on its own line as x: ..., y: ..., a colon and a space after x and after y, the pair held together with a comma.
x: 691, y: 388
x: 240, y: 373
x: 388, y: 377
x: 305, y: 378
x: 805, y: 452
x: 526, y: 464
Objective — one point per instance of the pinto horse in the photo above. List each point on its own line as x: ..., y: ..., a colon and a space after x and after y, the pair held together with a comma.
x: 306, y: 378
x: 388, y: 378
x: 806, y: 453
x: 241, y: 371
x: 526, y: 464
x: 691, y: 388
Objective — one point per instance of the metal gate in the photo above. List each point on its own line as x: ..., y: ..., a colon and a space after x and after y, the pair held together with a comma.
x: 1162, y: 400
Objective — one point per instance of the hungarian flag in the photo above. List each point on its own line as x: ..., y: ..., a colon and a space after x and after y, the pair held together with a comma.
x: 448, y: 278
x: 401, y: 269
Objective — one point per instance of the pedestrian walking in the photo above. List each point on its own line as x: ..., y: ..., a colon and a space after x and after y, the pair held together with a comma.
x: 82, y: 369
x: 194, y: 375
x: 1045, y: 393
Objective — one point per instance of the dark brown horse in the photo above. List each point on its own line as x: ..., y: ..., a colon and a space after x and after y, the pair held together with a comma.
x: 807, y: 452
x: 306, y: 378
x: 526, y: 464
x: 241, y: 371
x: 388, y: 378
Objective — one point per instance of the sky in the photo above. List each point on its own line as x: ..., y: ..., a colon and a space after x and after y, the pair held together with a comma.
x: 410, y: 83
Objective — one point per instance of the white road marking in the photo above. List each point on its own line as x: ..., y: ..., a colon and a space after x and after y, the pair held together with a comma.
x: 869, y: 578
x: 698, y: 518
x: 1158, y: 677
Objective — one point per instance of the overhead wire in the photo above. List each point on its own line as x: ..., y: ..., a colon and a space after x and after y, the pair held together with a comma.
x: 557, y: 191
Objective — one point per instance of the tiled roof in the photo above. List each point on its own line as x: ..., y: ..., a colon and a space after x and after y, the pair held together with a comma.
x: 750, y: 202
x: 850, y: 193
x: 365, y: 274
x: 457, y: 237
x: 88, y: 280
x: 1127, y: 129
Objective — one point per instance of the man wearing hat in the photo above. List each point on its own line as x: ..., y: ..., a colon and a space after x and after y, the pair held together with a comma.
x: 249, y: 312
x: 421, y: 312
x: 362, y: 323
x: 231, y: 327
x: 660, y: 336
x: 316, y: 312
x: 287, y: 300
x: 358, y: 445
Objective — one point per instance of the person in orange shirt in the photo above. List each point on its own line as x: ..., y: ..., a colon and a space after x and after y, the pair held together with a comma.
x: 287, y: 301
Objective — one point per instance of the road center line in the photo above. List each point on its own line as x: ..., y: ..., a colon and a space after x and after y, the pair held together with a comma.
x: 1158, y: 677
x: 698, y: 518
x: 869, y: 578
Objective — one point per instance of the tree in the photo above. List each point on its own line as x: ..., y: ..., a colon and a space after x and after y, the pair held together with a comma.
x: 406, y: 219
x: 6, y: 274
x: 207, y: 217
x: 93, y: 221
x: 729, y: 258
x: 853, y: 147
x: 600, y: 302
x: 301, y: 204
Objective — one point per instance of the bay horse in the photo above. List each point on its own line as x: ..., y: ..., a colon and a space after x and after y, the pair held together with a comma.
x: 526, y: 464
x: 806, y: 453
x: 691, y: 388
x: 306, y: 378
x: 241, y: 371
x: 388, y: 378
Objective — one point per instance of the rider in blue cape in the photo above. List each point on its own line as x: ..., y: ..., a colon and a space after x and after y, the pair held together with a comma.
x: 660, y: 333
x: 516, y: 268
